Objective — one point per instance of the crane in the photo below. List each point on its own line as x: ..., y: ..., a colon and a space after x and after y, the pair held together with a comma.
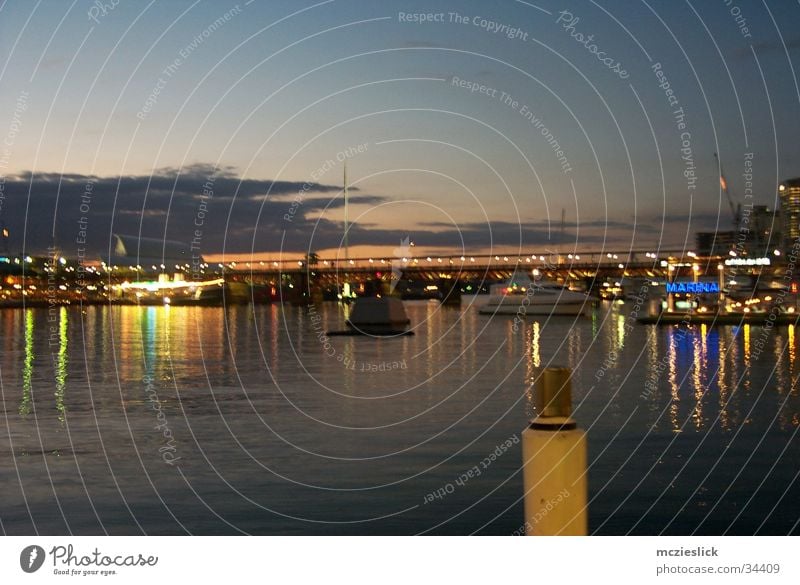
x: 736, y: 210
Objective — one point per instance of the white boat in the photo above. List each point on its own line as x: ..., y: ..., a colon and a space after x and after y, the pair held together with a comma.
x: 523, y: 296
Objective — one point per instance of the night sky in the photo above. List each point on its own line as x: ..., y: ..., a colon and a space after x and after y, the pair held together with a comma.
x: 467, y: 126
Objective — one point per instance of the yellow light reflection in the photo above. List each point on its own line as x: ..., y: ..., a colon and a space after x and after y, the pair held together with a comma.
x: 746, y: 356
x: 698, y: 367
x: 722, y: 383
x: 620, y: 340
x: 61, y: 365
x: 27, y: 365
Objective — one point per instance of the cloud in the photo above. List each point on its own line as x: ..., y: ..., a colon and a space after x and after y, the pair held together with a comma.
x: 770, y: 47
x: 83, y: 211
x: 219, y: 210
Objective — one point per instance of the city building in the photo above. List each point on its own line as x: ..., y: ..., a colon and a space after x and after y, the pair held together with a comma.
x: 715, y: 243
x: 789, y: 193
x: 759, y: 231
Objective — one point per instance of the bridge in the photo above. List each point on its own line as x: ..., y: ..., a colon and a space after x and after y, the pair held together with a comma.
x: 412, y: 275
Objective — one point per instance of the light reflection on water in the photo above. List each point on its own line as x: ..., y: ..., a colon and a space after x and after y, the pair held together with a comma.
x: 347, y: 440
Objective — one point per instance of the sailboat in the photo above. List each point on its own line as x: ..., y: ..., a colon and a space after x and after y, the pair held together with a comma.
x: 347, y: 294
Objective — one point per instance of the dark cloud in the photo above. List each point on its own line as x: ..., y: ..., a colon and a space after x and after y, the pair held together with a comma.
x: 245, y: 215
x: 761, y: 47
x: 167, y: 204
x: 697, y: 221
x: 482, y: 235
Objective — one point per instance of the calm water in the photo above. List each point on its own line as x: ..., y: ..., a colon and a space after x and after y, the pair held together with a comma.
x: 158, y: 420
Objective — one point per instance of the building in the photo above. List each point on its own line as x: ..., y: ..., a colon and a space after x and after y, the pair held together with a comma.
x: 789, y: 193
x: 149, y: 253
x: 759, y: 231
x: 715, y: 243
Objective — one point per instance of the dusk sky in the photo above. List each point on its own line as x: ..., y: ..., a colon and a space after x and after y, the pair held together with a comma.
x: 145, y: 101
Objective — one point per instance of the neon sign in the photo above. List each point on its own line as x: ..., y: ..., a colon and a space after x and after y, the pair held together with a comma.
x: 693, y: 287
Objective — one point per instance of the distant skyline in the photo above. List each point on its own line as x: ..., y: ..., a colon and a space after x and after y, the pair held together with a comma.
x: 466, y: 125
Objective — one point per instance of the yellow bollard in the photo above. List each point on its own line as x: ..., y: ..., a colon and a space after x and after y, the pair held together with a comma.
x: 554, y: 461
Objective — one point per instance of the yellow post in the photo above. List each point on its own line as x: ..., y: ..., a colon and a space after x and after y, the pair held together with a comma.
x: 554, y: 461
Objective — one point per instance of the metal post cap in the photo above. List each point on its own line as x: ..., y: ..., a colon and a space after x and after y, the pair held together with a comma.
x: 553, y: 395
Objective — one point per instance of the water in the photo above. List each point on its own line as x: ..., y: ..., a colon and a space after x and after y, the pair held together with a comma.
x: 158, y: 420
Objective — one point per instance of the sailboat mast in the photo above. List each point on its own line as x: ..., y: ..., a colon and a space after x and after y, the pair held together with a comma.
x: 346, y: 227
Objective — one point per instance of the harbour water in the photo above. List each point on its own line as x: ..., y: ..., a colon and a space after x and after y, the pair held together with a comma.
x: 247, y: 419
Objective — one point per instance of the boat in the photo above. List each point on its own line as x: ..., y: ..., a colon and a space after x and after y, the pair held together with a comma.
x: 523, y: 296
x: 384, y: 316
